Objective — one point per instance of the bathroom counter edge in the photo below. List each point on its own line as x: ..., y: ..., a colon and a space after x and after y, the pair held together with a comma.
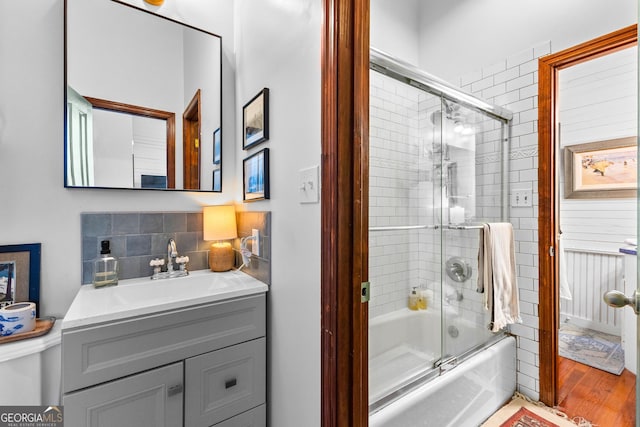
x: 142, y: 296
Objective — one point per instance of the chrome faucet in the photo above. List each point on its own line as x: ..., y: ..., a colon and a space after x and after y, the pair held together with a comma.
x: 172, y: 253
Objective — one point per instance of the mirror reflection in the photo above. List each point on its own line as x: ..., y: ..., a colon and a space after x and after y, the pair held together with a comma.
x: 143, y: 99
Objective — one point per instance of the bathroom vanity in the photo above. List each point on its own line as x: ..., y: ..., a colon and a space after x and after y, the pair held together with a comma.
x: 178, y: 352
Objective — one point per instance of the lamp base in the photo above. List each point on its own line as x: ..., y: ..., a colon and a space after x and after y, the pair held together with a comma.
x: 221, y: 257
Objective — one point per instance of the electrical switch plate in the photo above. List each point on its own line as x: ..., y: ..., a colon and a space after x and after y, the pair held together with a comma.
x: 255, y: 243
x: 308, y: 185
x: 521, y: 198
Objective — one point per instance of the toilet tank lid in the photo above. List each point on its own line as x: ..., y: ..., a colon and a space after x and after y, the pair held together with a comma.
x: 29, y: 346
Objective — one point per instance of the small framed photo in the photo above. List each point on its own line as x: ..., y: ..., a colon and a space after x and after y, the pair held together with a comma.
x: 255, y: 120
x: 217, y: 147
x: 20, y: 274
x: 255, y: 176
x: 601, y: 170
x: 217, y: 181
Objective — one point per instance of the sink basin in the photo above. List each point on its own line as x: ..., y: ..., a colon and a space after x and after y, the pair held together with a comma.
x: 142, y: 296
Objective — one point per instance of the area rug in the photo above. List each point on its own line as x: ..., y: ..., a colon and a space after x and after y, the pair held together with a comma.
x: 593, y: 348
x: 522, y: 412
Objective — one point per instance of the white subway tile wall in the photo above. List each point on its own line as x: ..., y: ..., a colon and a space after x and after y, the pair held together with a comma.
x: 409, y: 171
x: 515, y: 87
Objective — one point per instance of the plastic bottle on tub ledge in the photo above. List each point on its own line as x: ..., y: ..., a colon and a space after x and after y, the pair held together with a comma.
x: 413, y: 299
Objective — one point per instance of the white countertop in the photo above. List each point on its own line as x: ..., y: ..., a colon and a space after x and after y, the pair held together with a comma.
x: 136, y: 297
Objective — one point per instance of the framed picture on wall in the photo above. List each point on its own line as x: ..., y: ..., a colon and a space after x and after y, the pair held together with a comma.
x: 601, y: 170
x: 20, y: 274
x: 255, y: 176
x: 217, y: 181
x: 217, y: 147
x: 255, y: 120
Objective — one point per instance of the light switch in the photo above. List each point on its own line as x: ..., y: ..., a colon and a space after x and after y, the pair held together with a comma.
x: 521, y: 198
x: 308, y: 185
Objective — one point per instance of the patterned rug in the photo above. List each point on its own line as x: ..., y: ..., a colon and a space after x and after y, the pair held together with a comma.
x: 526, y: 418
x: 524, y: 412
x: 593, y: 348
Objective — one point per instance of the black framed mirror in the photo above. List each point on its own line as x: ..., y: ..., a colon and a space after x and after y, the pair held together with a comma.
x: 143, y: 97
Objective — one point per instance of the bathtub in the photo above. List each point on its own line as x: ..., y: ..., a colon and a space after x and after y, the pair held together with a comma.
x: 405, y: 389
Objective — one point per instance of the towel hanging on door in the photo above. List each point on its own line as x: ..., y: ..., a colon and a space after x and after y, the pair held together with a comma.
x: 497, y: 274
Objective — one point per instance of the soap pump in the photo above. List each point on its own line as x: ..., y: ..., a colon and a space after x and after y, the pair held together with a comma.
x: 105, y: 268
x: 413, y: 299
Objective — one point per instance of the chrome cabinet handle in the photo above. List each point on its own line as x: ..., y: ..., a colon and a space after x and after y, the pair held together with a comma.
x: 173, y: 390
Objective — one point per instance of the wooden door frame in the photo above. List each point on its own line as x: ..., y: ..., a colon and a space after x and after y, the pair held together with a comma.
x: 167, y: 116
x: 345, y: 204
x: 193, y: 113
x: 548, y: 224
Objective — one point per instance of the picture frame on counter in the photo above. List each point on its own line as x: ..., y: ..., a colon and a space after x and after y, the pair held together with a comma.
x: 20, y: 274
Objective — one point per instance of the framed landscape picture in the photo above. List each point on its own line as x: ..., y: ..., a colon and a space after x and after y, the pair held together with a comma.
x: 255, y: 120
x: 255, y: 176
x: 601, y: 170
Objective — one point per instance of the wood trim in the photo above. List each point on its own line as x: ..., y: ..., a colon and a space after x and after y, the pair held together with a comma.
x: 345, y: 95
x: 169, y: 117
x: 548, y: 69
x: 191, y: 125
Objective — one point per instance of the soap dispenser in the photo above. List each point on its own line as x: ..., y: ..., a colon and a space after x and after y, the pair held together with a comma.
x: 413, y: 299
x: 105, y: 268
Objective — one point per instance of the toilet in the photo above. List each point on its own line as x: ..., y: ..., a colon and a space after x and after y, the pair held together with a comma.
x: 31, y: 371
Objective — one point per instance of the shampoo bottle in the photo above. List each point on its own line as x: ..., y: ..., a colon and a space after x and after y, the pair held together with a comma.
x: 422, y: 298
x: 105, y: 268
x: 413, y: 299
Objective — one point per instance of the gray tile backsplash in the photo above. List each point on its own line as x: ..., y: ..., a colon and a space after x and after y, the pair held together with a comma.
x: 138, y: 237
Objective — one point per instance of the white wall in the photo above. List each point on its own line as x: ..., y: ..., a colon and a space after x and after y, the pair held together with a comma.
x: 598, y: 101
x: 36, y: 206
x: 278, y: 47
x: 395, y: 27
x: 459, y: 36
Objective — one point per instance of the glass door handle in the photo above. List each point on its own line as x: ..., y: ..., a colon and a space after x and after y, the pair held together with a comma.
x: 617, y: 299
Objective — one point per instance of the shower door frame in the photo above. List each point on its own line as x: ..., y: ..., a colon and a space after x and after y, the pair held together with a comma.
x: 548, y: 224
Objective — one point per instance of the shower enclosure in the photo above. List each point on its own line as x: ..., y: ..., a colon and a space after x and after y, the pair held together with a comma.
x: 438, y: 171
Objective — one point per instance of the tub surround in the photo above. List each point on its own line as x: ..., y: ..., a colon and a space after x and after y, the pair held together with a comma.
x: 142, y: 296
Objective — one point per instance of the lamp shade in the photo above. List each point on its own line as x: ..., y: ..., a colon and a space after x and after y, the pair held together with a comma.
x: 219, y: 223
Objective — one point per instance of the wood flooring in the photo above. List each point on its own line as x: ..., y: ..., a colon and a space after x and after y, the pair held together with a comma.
x: 605, y: 399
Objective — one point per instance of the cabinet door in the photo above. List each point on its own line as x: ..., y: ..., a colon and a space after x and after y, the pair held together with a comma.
x: 150, y: 399
x: 224, y: 383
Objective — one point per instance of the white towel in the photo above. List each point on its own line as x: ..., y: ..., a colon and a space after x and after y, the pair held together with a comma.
x: 497, y: 274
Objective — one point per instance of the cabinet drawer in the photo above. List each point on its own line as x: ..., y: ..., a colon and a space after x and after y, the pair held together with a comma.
x: 224, y: 383
x: 150, y: 399
x: 257, y: 417
x: 102, y: 353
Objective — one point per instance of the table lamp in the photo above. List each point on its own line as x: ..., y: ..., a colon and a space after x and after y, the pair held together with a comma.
x: 219, y: 225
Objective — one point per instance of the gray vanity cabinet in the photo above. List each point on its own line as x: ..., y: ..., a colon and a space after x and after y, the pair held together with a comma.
x: 150, y: 399
x: 223, y: 383
x: 196, y: 366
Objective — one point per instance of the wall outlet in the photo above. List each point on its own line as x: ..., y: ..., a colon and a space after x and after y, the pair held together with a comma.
x: 255, y: 243
x: 521, y: 198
